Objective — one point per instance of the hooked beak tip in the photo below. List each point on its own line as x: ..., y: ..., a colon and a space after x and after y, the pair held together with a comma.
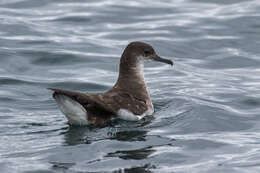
x: 167, y: 61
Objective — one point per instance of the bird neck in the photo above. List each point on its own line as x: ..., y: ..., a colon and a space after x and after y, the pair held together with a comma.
x: 131, y: 79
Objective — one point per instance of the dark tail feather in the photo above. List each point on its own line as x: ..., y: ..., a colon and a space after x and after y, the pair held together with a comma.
x: 71, y: 94
x: 82, y: 98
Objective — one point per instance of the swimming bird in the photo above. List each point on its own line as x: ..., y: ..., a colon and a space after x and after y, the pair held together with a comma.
x: 128, y: 99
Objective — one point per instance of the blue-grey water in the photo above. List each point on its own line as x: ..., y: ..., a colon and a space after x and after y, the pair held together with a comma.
x: 207, y: 106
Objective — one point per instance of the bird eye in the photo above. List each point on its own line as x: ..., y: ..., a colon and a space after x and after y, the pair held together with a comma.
x: 147, y: 52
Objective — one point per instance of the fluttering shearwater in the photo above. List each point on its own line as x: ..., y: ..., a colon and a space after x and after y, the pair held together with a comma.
x: 128, y: 99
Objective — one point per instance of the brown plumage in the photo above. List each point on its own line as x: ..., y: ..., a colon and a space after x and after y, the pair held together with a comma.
x: 128, y: 94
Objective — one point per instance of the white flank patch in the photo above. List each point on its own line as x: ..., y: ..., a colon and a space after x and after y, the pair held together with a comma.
x: 128, y: 116
x: 74, y: 112
x: 124, y: 114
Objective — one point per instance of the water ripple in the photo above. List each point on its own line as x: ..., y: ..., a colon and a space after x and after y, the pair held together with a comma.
x: 206, y: 107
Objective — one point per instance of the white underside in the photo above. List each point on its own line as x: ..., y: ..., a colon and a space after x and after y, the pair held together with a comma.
x: 124, y: 114
x: 74, y: 112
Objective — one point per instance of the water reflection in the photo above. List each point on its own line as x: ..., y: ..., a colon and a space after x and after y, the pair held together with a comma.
x: 86, y: 135
x: 132, y: 135
x: 77, y: 135
x: 132, y: 154
x: 140, y: 169
x: 61, y: 166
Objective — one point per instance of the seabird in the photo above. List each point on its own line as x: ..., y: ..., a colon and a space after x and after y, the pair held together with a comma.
x: 128, y: 99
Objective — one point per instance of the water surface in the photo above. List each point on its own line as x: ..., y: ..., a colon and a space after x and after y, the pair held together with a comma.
x: 207, y: 106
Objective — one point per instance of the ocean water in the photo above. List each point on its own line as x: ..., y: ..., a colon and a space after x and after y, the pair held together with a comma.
x: 207, y: 106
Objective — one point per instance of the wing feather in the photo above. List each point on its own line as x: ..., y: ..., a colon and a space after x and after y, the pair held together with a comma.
x: 88, y: 101
x: 110, y: 102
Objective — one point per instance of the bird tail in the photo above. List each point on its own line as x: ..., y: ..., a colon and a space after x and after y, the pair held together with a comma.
x: 70, y: 107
